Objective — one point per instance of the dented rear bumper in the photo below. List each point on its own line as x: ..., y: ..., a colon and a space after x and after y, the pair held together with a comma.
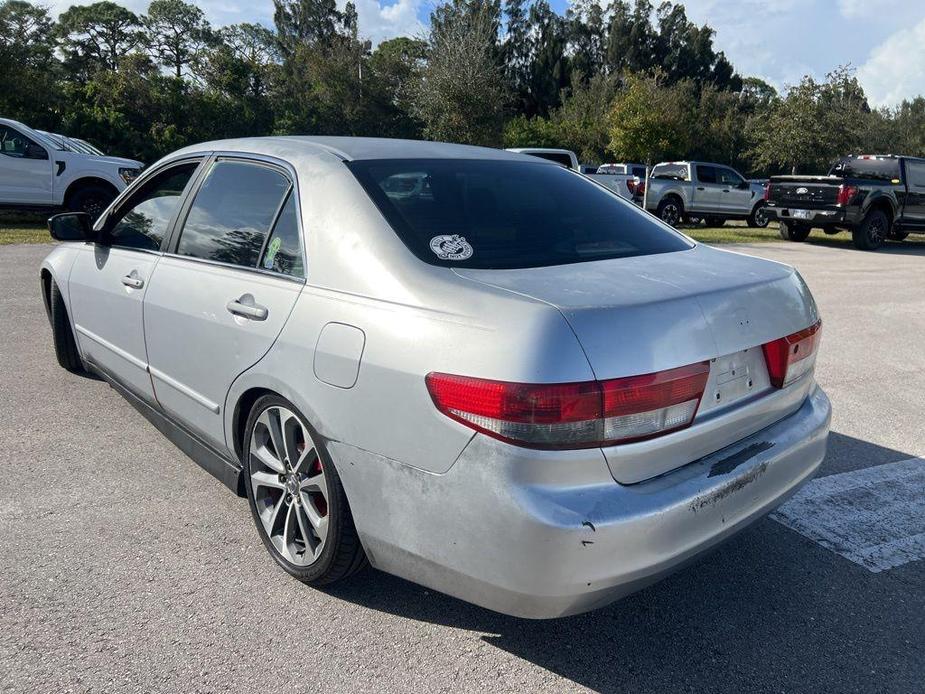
x: 544, y: 534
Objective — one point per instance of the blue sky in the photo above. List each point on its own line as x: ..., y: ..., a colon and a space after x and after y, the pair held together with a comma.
x: 778, y: 40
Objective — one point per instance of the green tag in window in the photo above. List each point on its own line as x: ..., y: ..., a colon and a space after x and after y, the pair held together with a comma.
x: 272, y: 250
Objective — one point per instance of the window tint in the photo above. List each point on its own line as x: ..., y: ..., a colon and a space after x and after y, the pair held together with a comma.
x: 506, y: 214
x: 558, y: 157
x: 729, y: 177
x: 144, y: 222
x: 915, y: 173
x: 232, y: 213
x: 283, y: 252
x: 706, y: 174
x: 872, y: 167
x: 13, y: 143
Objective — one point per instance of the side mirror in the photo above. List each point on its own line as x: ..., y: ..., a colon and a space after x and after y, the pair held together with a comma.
x: 71, y: 226
x: 35, y: 152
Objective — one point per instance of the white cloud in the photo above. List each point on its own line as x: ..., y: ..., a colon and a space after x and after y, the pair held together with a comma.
x: 379, y: 21
x: 896, y: 68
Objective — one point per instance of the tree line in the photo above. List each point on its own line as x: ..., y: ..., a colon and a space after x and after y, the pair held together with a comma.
x: 629, y: 81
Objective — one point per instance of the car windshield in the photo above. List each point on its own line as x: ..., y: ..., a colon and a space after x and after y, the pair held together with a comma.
x: 875, y: 168
x: 507, y: 214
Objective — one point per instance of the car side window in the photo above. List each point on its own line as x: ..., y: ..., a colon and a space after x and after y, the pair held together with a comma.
x: 283, y: 251
x: 231, y: 215
x: 706, y: 174
x: 13, y: 143
x: 143, y: 223
x: 729, y: 177
x: 915, y: 173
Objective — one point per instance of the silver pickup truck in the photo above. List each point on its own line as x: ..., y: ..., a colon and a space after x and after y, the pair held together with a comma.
x: 689, y: 191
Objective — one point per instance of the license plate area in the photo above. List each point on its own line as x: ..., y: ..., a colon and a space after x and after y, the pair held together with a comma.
x: 799, y: 214
x: 733, y: 379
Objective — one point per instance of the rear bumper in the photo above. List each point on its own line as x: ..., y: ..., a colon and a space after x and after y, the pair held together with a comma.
x: 817, y: 217
x: 546, y: 534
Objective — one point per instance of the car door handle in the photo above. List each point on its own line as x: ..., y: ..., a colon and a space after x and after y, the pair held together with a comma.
x: 700, y: 188
x: 246, y: 307
x: 725, y: 190
x: 133, y: 281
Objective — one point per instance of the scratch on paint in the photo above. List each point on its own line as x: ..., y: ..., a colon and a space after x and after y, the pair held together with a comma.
x: 735, y: 485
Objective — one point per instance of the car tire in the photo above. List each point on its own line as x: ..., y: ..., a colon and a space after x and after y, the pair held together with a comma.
x: 714, y: 221
x: 63, y: 335
x: 791, y: 231
x: 758, y: 219
x: 312, y: 535
x: 92, y: 199
x: 670, y: 210
x: 870, y: 234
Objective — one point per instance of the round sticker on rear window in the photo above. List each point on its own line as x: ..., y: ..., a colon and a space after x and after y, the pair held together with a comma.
x: 451, y: 247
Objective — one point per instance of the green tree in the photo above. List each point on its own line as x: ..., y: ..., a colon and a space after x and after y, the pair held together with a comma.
x: 28, y: 68
x: 177, y: 34
x: 97, y: 36
x: 549, y: 66
x: 650, y: 121
x: 460, y: 95
x: 306, y: 22
x: 393, y: 69
x: 582, y: 122
x: 815, y: 123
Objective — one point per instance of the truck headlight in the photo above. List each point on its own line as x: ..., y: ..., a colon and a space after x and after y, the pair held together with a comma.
x: 129, y: 175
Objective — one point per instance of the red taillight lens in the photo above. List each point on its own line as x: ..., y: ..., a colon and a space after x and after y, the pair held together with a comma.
x: 767, y: 192
x: 631, y: 185
x: 573, y: 415
x: 641, y: 188
x: 845, y: 194
x: 790, y: 357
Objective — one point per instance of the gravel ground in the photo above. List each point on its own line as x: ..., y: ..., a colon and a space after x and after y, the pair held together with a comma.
x: 126, y: 568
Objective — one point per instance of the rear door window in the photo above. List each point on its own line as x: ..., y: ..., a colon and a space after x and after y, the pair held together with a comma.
x: 283, y: 251
x: 507, y: 214
x: 230, y: 219
x: 706, y: 174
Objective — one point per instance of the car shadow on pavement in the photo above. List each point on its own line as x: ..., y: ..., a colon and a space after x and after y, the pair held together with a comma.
x: 908, y: 247
x: 768, y: 611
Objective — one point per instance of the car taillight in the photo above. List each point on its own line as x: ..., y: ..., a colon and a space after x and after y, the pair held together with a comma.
x: 631, y: 185
x: 767, y: 192
x: 790, y: 357
x: 845, y: 194
x: 573, y: 415
x: 641, y: 188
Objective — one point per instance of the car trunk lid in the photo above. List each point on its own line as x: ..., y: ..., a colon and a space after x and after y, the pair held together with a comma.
x: 646, y: 314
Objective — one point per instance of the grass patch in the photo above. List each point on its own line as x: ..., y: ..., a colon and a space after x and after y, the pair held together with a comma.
x: 732, y: 233
x: 23, y: 227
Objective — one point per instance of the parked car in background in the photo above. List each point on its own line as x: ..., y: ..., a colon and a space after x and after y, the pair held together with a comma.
x: 45, y: 172
x: 681, y: 190
x: 875, y: 197
x: 624, y: 185
x: 474, y: 369
x: 638, y: 170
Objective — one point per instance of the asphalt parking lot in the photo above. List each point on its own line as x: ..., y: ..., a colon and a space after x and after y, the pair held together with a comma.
x: 125, y: 567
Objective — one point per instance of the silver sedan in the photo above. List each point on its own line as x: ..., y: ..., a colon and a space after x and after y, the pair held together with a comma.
x: 471, y: 368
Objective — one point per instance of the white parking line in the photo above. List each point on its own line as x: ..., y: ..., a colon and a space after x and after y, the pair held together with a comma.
x: 874, y: 517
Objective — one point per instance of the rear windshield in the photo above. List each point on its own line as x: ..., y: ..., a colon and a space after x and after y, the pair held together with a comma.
x: 507, y: 214
x: 676, y: 171
x: 876, y: 168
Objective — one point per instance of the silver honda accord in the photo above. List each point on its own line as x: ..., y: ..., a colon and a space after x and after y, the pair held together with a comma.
x: 467, y: 367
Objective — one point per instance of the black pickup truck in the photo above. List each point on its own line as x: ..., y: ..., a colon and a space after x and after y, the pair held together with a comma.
x: 875, y: 197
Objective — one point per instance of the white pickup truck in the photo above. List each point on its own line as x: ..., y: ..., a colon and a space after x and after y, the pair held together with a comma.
x: 681, y: 191
x: 37, y: 173
x: 623, y: 184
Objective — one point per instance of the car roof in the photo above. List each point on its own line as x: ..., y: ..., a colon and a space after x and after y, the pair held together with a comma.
x: 354, y: 148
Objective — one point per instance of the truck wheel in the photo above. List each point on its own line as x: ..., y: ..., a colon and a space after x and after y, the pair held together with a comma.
x: 758, y: 219
x: 870, y: 234
x: 92, y: 199
x: 714, y: 221
x: 791, y: 231
x: 670, y: 211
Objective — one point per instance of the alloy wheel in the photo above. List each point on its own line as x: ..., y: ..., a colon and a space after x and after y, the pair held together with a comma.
x: 671, y: 214
x: 875, y: 231
x: 761, y: 217
x: 289, y: 486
